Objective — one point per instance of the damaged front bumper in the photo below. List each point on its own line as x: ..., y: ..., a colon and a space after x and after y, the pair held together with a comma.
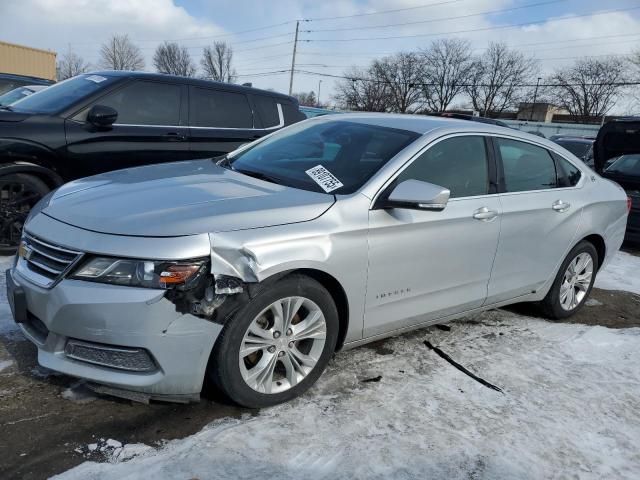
x: 127, y: 339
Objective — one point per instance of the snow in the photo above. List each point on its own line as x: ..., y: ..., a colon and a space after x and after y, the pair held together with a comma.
x: 569, y: 409
x: 79, y: 393
x: 4, y: 364
x: 622, y: 273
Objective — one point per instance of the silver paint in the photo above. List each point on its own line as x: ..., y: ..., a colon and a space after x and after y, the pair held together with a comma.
x: 398, y: 268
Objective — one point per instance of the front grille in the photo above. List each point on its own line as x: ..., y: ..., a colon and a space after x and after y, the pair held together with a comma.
x: 122, y: 358
x: 46, y: 259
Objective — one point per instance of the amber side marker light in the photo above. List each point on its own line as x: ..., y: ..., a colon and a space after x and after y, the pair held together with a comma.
x: 178, y: 274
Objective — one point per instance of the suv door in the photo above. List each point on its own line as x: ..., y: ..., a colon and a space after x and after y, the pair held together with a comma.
x: 149, y: 129
x: 219, y: 121
x: 541, y: 210
x: 424, y: 265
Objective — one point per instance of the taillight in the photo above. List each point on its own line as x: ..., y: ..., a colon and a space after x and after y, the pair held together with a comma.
x: 629, y: 203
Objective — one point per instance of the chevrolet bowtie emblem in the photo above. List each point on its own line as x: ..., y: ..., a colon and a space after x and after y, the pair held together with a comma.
x: 25, y: 251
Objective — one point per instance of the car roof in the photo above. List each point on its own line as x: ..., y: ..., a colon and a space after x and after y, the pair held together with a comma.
x: 423, y: 124
x: 192, y: 81
x: 418, y: 123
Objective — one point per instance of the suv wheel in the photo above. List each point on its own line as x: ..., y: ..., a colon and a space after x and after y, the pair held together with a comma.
x: 573, y: 283
x: 18, y: 193
x: 277, y: 346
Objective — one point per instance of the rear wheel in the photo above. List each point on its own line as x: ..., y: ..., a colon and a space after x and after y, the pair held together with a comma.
x: 573, y: 283
x: 19, y: 192
x: 278, y: 345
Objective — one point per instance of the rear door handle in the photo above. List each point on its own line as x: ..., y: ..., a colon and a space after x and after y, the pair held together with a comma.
x: 485, y: 214
x: 174, y: 137
x: 560, y: 206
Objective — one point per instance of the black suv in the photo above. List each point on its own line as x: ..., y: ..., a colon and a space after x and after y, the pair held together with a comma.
x: 105, y: 121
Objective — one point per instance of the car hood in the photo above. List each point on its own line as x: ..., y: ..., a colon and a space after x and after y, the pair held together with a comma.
x: 182, y: 198
x: 615, y: 138
x: 9, y: 116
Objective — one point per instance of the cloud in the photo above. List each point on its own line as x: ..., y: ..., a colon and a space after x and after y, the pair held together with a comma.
x: 85, y: 24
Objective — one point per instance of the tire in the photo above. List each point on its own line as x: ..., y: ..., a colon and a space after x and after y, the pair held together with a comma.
x: 556, y: 304
x: 236, y: 377
x: 19, y: 192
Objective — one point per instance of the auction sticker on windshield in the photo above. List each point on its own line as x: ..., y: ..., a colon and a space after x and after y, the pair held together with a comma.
x: 323, y: 177
x: 96, y: 78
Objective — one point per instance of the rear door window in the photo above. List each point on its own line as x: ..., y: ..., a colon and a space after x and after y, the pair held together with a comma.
x: 219, y: 109
x: 526, y: 166
x: 145, y: 103
x: 267, y: 109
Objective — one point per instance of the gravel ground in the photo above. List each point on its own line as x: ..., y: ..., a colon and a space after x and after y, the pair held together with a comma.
x: 51, y: 423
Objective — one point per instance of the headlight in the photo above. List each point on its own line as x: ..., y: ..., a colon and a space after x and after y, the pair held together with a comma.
x: 141, y: 273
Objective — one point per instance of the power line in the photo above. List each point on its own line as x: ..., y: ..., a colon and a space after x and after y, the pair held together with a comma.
x: 322, y: 19
x: 510, y: 45
x: 371, y: 80
x: 484, y: 29
x: 442, y: 19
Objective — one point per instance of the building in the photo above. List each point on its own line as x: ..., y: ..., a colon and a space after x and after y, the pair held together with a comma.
x: 32, y: 62
x: 539, y: 112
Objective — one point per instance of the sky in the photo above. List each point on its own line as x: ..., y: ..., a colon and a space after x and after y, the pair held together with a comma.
x: 556, y: 32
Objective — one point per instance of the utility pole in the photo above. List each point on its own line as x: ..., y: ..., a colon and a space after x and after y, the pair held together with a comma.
x: 318, y: 98
x: 535, y: 96
x: 293, y: 60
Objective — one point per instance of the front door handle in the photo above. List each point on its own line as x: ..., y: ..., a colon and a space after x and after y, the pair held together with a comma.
x: 174, y: 137
x: 560, y: 206
x: 485, y: 214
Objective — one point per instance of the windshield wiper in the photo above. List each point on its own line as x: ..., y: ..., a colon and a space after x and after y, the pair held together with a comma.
x: 223, y: 161
x: 259, y: 175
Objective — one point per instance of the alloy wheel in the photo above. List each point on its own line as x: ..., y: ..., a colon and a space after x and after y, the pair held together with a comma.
x: 282, y: 345
x: 576, y: 281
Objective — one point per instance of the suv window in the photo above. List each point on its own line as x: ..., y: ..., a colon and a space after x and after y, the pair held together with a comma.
x: 268, y: 110
x: 526, y: 167
x: 215, y: 108
x: 459, y: 164
x: 145, y: 103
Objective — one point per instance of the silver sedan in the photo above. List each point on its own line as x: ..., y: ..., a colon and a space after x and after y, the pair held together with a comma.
x: 254, y: 268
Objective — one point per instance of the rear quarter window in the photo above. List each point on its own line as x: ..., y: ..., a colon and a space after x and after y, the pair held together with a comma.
x: 267, y: 109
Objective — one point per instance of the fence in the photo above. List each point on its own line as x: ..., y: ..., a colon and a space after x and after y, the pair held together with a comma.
x: 548, y: 129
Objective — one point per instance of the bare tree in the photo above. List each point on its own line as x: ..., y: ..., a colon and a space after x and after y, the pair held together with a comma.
x: 173, y: 59
x: 447, y: 65
x: 119, y: 53
x: 307, y: 99
x: 590, y: 87
x: 402, y: 75
x: 70, y: 65
x: 217, y: 62
x: 362, y: 91
x: 497, y: 78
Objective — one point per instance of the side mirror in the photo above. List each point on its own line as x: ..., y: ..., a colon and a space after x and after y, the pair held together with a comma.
x: 102, y: 116
x: 417, y: 195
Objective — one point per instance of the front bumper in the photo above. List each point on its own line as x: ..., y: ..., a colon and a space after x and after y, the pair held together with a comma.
x: 137, y: 319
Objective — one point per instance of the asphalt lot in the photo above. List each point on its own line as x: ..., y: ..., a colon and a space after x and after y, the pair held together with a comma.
x: 51, y: 423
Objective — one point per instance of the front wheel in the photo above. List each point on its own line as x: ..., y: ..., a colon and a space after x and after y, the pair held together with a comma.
x: 19, y: 192
x: 573, y: 283
x: 277, y: 346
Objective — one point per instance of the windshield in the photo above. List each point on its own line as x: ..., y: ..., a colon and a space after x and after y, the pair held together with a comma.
x: 626, y: 165
x: 62, y: 95
x: 14, y: 95
x: 326, y: 156
x: 579, y: 149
